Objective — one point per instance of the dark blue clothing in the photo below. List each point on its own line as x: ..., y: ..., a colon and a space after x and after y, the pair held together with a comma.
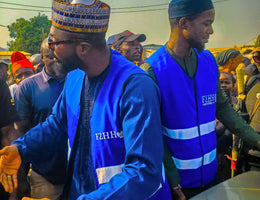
x: 8, y: 114
x: 36, y: 95
x: 139, y: 117
x: 34, y: 99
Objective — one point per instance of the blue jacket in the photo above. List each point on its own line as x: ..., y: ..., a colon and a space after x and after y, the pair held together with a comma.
x: 137, y: 113
x: 188, y: 115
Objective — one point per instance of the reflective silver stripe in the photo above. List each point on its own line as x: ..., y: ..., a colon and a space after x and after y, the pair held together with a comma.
x: 207, y: 128
x: 190, y: 133
x: 104, y: 174
x: 195, y: 163
x: 182, y: 134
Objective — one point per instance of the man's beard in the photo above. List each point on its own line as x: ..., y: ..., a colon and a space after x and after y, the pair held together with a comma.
x: 195, y: 44
x: 69, y: 63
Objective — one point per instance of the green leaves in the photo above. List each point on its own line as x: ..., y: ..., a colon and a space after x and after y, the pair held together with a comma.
x: 28, y: 34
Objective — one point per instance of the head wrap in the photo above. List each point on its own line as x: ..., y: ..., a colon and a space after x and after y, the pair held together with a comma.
x: 18, y: 61
x: 89, y: 16
x: 183, y: 8
x: 127, y: 36
x: 224, y: 56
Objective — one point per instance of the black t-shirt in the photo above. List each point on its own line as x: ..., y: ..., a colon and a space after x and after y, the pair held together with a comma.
x: 8, y: 113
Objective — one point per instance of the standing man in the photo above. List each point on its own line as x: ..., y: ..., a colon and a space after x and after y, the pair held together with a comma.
x: 109, y: 109
x: 3, y: 70
x: 128, y: 44
x: 187, y: 76
x: 7, y: 118
x: 34, y: 99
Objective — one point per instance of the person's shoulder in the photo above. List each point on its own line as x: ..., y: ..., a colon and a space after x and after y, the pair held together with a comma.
x: 145, y: 66
x: 32, y: 80
x: 140, y: 81
x: 3, y: 86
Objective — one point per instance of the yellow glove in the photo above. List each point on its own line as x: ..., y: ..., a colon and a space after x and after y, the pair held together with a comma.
x: 27, y: 198
x: 10, y: 162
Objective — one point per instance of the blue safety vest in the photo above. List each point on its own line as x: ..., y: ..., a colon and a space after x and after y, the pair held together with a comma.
x: 107, y: 139
x: 188, y: 114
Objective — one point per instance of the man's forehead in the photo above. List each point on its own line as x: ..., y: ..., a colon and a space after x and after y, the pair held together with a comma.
x: 207, y: 15
x: 131, y: 42
x: 23, y: 69
x: 57, y: 33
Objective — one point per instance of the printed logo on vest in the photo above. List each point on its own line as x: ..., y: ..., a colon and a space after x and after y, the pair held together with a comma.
x: 209, y: 99
x: 109, y: 135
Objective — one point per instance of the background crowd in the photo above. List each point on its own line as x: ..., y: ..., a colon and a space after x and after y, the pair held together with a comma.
x: 45, y: 98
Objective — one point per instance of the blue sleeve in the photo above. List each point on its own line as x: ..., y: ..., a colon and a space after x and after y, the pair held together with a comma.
x: 39, y: 143
x: 22, y: 100
x: 141, y: 123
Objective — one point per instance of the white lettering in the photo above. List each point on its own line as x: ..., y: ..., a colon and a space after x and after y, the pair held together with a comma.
x: 109, y: 135
x: 120, y: 134
x: 208, y: 99
x: 97, y: 134
x: 106, y: 135
x: 113, y: 134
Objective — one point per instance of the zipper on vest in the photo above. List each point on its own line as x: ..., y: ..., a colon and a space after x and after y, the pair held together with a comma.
x: 195, y: 95
x: 92, y: 166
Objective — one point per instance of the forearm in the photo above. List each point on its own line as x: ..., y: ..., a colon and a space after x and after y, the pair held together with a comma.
x: 23, y: 126
x: 171, y: 171
x: 9, y: 134
x: 41, y: 141
x: 235, y: 123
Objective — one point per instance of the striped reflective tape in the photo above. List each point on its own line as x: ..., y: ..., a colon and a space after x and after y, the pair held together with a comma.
x: 196, y: 162
x: 190, y: 133
x: 104, y: 174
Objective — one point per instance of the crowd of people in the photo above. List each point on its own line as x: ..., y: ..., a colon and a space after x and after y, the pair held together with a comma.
x: 90, y: 118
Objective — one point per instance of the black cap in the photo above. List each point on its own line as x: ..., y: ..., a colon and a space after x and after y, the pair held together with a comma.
x: 127, y: 36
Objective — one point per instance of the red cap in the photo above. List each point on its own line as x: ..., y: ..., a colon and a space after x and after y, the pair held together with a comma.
x: 19, y: 60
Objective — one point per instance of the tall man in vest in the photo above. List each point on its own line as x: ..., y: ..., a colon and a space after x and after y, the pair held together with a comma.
x: 109, y: 109
x: 187, y: 77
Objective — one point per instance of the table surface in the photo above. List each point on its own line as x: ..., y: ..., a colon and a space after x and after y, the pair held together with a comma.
x: 245, y: 186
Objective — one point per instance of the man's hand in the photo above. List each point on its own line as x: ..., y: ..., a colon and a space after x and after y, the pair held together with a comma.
x: 27, y: 198
x: 10, y: 162
x: 177, y: 194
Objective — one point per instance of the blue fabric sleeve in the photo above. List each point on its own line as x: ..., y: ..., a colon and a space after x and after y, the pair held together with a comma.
x: 141, y: 124
x: 22, y: 99
x: 46, y: 138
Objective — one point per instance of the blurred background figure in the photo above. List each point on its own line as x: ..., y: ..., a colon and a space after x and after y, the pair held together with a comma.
x: 21, y: 69
x: 37, y: 62
x: 110, y: 41
x: 228, y: 60
x: 227, y: 83
x: 128, y: 44
x: 224, y: 136
x: 246, y: 61
x: 3, y: 70
x: 8, y: 116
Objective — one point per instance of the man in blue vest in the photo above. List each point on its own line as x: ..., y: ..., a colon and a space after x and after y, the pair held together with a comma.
x: 187, y: 76
x: 109, y: 109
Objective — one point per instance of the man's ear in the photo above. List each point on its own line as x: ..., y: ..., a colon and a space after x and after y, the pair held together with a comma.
x: 183, y: 23
x: 83, y: 48
x: 118, y: 49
